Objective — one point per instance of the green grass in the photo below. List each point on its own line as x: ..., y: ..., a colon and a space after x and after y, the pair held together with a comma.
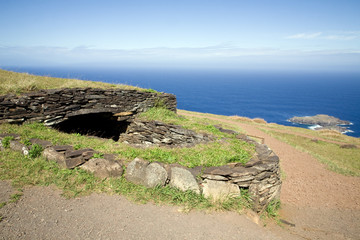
x: 272, y: 209
x: 2, y: 204
x: 15, y: 197
x: 211, y: 154
x: 6, y: 141
x: 216, y: 153
x: 23, y: 171
x: 192, y: 123
x: 35, y: 151
x: 337, y: 159
x: 16, y: 83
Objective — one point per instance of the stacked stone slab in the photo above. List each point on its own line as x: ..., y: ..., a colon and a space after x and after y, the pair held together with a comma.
x: 261, y: 176
x: 56, y: 105
x: 66, y: 157
x: 149, y: 133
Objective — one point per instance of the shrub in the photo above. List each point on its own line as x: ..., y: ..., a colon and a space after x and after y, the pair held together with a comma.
x: 35, y: 151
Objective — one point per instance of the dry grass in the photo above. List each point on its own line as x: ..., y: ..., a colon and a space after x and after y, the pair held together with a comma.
x: 259, y: 120
x: 16, y: 83
x: 340, y: 160
x: 241, y: 119
x: 248, y: 120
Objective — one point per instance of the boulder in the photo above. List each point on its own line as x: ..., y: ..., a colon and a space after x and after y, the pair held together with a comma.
x: 220, y: 190
x: 52, y: 155
x: 183, y: 180
x: 103, y: 168
x: 155, y: 175
x: 136, y: 171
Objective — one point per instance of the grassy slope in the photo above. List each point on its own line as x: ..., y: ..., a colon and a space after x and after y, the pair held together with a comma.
x: 16, y: 83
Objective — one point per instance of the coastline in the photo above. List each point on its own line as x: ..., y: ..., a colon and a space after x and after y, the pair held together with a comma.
x: 273, y: 96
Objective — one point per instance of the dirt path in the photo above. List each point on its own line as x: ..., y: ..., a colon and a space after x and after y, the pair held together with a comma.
x: 322, y: 202
x: 307, y: 182
x: 306, y: 136
x: 43, y: 214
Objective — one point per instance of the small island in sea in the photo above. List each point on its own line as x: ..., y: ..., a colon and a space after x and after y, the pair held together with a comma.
x: 322, y: 121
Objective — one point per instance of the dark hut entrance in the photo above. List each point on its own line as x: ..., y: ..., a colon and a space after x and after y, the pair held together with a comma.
x: 103, y: 125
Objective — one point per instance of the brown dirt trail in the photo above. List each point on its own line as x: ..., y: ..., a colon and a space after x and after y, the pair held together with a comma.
x: 307, y: 182
x: 322, y: 204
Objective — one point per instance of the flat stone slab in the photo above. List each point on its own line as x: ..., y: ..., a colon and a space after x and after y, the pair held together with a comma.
x: 77, y: 153
x: 63, y: 148
x: 41, y: 142
x: 71, y: 163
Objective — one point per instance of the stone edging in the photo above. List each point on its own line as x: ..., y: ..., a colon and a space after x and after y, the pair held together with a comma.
x: 260, y: 176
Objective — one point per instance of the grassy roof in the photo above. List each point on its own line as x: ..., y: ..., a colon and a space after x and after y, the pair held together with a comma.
x: 17, y: 83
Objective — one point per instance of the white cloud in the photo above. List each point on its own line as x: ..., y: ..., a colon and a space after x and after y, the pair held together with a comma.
x: 211, y: 56
x: 350, y: 35
x: 305, y: 35
x: 343, y: 36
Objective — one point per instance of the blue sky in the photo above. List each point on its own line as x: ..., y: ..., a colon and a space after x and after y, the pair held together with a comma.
x: 239, y: 34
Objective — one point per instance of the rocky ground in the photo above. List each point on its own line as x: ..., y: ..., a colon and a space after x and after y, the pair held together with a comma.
x: 316, y: 204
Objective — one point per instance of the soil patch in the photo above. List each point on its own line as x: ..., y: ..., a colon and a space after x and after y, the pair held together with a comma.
x: 43, y: 214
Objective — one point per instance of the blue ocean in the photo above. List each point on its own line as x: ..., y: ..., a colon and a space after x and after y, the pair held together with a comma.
x: 272, y: 95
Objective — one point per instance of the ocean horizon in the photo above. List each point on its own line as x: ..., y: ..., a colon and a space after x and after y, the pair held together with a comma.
x: 274, y: 96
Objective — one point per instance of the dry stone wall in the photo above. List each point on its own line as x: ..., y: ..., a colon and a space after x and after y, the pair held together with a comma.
x: 260, y: 176
x: 150, y: 133
x: 56, y: 105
